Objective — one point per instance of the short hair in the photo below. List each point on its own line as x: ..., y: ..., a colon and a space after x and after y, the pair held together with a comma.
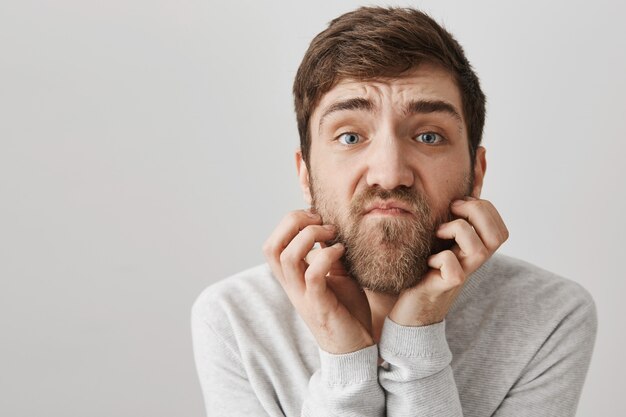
x: 376, y: 42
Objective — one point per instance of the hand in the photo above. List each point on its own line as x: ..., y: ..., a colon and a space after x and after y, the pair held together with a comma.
x: 478, y: 233
x: 329, y: 301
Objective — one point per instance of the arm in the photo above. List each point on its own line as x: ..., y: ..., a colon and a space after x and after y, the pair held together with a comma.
x: 553, y: 380
x: 225, y: 386
x: 336, y: 312
x: 345, y: 385
x: 418, y: 380
x: 417, y: 377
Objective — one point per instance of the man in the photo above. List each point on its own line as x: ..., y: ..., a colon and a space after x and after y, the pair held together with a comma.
x: 384, y: 298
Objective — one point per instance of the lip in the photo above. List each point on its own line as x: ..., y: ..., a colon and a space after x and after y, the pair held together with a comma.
x: 388, y: 208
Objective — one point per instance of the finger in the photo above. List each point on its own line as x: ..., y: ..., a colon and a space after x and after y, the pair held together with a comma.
x: 451, y: 274
x: 292, y: 258
x: 315, y: 274
x: 284, y: 233
x: 469, y: 249
x: 288, y: 228
x: 336, y: 268
x: 310, y: 257
x: 484, y: 217
x: 496, y: 217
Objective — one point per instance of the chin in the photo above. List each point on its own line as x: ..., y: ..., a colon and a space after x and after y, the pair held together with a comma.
x: 386, y: 268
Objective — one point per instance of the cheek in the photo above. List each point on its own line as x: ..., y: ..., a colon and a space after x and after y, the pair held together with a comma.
x: 332, y: 184
x: 331, y: 200
x: 447, y: 186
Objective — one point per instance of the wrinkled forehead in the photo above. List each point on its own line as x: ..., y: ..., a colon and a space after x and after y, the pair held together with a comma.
x: 426, y: 82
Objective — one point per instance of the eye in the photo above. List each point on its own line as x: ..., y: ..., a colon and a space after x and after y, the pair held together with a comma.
x: 430, y: 138
x: 348, y: 138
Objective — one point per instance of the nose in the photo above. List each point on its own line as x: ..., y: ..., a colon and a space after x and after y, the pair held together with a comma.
x: 388, y: 164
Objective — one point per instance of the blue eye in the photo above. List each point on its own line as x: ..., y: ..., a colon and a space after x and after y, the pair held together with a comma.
x: 349, y: 138
x: 429, y: 138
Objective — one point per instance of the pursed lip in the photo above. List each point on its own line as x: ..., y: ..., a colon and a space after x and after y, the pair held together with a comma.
x: 390, y: 207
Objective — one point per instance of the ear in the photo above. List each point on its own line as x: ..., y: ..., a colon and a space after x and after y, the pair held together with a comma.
x: 480, y: 167
x: 303, y: 177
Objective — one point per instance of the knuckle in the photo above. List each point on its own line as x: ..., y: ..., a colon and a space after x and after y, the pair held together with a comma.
x: 477, y: 204
x: 456, y: 280
x: 322, y: 258
x: 448, y: 255
x: 491, y: 244
x: 286, y: 257
x: 459, y: 278
x: 293, y: 218
x: 309, y: 275
x: 293, y: 214
x: 283, y: 258
x: 308, y: 232
x: 311, y: 256
x: 483, y: 252
x: 457, y: 222
x: 465, y: 225
x: 484, y: 203
x: 496, y: 240
x: 327, y: 255
x: 270, y: 250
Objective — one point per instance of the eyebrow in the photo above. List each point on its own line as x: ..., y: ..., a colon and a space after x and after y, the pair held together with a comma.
x: 357, y: 103
x: 413, y: 107
x: 432, y: 106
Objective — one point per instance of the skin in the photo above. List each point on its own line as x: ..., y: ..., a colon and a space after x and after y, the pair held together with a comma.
x: 391, y: 151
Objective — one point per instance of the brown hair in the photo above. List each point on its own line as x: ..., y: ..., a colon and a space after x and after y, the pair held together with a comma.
x: 373, y: 42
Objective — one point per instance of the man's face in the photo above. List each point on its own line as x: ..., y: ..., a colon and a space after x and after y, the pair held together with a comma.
x: 387, y: 158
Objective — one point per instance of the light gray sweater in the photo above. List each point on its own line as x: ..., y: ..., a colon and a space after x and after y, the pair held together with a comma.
x: 516, y: 342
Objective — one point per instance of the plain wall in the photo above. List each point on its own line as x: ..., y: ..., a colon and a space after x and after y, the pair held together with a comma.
x: 146, y: 151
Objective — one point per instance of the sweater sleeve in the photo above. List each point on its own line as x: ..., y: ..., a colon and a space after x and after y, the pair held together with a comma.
x: 552, y: 381
x: 346, y: 385
x: 416, y: 375
x: 223, y: 380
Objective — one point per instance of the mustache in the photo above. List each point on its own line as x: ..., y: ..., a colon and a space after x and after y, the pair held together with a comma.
x: 417, y: 201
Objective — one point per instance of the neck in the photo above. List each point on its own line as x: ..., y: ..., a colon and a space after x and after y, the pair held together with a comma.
x: 380, y: 305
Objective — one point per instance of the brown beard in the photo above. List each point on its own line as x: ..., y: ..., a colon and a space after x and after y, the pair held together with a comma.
x: 389, y: 254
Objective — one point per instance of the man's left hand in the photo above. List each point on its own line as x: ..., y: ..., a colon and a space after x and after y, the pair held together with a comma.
x: 478, y: 232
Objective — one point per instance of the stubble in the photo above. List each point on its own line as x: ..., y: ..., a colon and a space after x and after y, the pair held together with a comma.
x: 386, y: 254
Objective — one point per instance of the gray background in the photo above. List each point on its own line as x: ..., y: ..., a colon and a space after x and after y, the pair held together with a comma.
x: 146, y: 151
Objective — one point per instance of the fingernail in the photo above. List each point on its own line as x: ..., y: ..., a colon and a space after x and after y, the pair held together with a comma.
x: 338, y: 245
x: 458, y: 202
x: 312, y: 215
x: 469, y: 198
x: 329, y: 227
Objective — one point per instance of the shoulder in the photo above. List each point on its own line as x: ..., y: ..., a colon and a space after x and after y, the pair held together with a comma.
x: 515, y: 279
x: 521, y: 309
x: 534, y: 297
x: 249, y: 293
x: 249, y: 316
x: 246, y: 309
x: 518, y: 295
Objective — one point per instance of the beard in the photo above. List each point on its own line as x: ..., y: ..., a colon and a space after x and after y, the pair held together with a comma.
x: 386, y: 254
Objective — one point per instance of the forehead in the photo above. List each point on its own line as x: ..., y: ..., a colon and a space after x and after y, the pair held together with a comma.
x: 426, y: 82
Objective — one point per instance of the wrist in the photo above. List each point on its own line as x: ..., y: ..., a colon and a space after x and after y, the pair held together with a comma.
x: 415, y: 319
x: 334, y: 348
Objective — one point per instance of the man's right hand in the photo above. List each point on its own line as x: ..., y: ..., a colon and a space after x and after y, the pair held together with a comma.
x: 329, y: 301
